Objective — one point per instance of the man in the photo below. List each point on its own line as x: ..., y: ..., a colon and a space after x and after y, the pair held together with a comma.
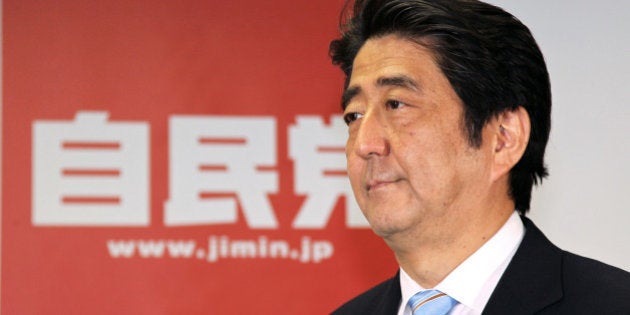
x: 448, y: 107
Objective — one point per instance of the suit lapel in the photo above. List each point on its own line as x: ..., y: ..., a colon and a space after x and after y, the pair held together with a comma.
x: 388, y: 302
x: 532, y: 280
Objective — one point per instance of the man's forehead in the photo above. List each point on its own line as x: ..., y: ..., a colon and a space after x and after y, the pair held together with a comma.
x: 387, y: 57
x: 390, y: 48
x: 389, y: 61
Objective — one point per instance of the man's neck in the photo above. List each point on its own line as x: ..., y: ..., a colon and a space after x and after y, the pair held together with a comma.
x: 428, y: 259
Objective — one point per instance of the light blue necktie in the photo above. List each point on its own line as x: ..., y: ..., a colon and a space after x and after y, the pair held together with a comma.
x: 431, y: 302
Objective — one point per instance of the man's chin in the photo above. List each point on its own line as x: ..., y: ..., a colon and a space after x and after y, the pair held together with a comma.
x: 386, y: 231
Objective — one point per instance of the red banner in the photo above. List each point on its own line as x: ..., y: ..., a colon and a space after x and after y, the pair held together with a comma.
x: 180, y: 157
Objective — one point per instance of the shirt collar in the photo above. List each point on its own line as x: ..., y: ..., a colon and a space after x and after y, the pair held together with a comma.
x: 408, y: 287
x: 473, y: 281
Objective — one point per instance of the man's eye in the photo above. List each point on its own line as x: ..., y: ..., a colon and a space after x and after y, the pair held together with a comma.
x: 350, y: 117
x: 393, y: 104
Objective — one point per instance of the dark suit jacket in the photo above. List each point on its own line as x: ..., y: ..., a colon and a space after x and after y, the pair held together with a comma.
x: 540, y: 279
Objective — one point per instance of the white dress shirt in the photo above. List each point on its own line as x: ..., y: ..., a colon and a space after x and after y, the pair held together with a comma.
x: 473, y: 281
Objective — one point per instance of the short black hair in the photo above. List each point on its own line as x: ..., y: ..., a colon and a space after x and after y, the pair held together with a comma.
x: 489, y: 57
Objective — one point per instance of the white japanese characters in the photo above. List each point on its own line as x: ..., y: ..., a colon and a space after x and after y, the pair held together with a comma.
x: 90, y: 172
x: 318, y: 152
x: 95, y: 172
x: 216, y: 160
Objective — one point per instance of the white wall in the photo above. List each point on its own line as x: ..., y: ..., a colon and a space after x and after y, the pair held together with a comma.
x: 584, y: 206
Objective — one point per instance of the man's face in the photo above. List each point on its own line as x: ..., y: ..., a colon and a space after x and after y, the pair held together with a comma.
x: 409, y: 160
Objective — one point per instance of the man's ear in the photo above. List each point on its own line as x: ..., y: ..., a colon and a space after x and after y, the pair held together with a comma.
x: 511, y: 129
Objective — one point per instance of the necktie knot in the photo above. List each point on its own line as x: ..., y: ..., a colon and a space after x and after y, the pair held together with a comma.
x: 431, y: 302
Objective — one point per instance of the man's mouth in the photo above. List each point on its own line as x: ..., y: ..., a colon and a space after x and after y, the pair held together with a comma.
x: 377, y: 184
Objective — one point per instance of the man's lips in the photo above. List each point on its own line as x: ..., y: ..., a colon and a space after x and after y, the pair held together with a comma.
x: 376, y: 184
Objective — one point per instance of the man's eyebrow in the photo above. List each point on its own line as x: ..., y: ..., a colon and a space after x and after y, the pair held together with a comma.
x: 398, y: 80
x: 348, y: 95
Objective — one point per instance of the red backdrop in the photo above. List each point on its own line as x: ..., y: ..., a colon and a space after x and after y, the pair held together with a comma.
x: 154, y: 70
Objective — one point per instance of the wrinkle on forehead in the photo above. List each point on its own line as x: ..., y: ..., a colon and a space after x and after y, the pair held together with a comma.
x: 383, y: 61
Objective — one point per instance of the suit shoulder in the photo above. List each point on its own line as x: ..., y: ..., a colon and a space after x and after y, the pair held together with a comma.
x: 590, y: 281
x: 594, y: 273
x: 370, y: 300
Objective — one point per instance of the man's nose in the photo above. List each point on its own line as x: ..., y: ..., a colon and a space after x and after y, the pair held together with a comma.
x: 371, y: 139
